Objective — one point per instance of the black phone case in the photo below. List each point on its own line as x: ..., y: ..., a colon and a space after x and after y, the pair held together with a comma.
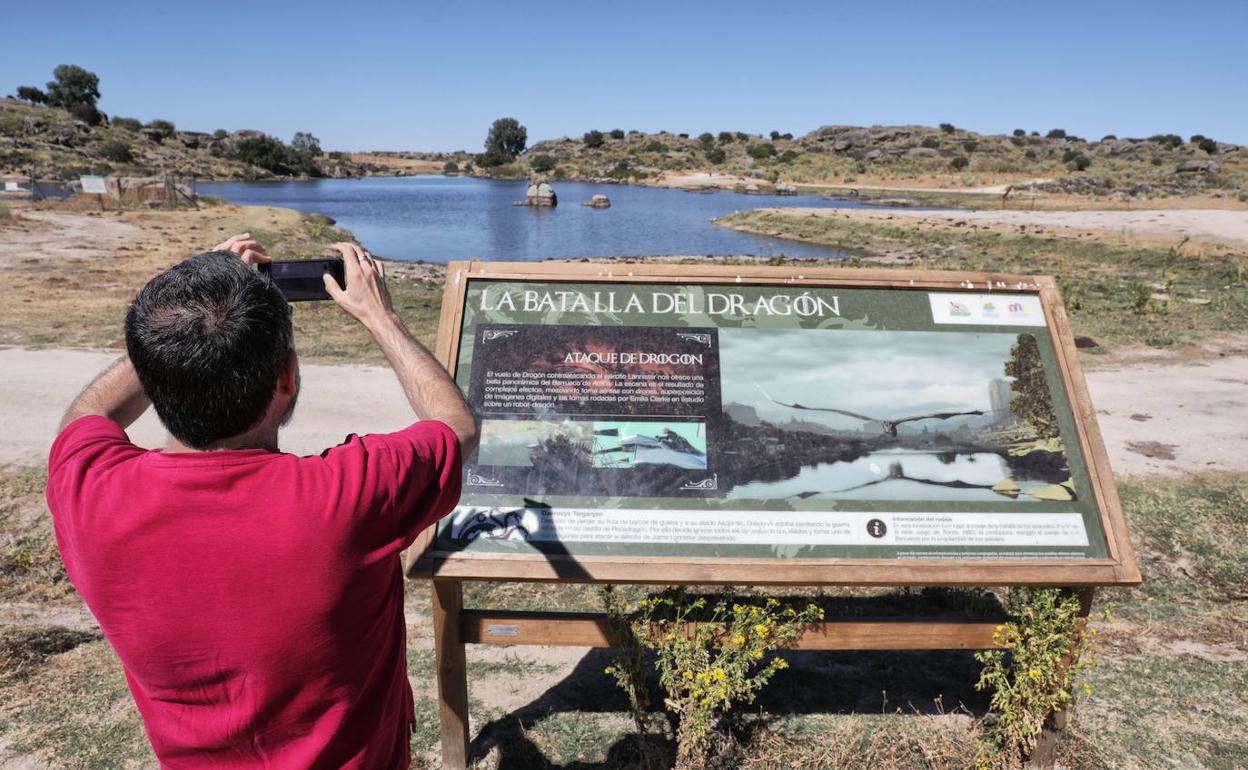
x: 300, y: 280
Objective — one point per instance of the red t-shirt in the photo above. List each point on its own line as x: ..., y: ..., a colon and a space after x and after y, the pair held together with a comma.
x: 255, y: 598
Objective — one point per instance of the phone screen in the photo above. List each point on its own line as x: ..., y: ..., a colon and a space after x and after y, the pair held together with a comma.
x: 300, y: 280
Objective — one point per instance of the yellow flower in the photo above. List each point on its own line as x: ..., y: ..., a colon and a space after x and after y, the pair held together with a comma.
x: 721, y: 676
x: 687, y: 674
x: 757, y: 654
x: 761, y: 629
x: 1087, y: 689
x: 1033, y: 673
x: 608, y: 670
x: 738, y: 640
x: 781, y: 663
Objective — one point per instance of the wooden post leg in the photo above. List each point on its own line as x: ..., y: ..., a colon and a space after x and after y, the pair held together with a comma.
x: 452, y: 673
x: 1044, y: 757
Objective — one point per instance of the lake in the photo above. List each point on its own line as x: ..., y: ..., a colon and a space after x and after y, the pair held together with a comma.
x: 437, y: 218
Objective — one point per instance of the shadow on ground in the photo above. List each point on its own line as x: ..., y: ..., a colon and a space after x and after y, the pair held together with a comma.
x: 861, y: 682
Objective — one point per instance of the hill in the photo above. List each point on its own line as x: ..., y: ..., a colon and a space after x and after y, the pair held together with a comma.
x: 55, y: 145
x: 1161, y: 165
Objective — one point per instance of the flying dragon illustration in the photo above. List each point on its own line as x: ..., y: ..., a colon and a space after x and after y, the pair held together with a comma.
x: 889, y: 427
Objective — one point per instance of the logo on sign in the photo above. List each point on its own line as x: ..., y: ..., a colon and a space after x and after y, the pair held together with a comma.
x: 1016, y: 308
x: 959, y: 309
x: 990, y: 310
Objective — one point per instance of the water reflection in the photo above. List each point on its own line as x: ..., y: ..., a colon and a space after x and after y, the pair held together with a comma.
x: 896, y: 474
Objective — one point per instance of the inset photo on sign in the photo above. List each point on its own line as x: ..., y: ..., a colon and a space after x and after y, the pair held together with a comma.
x: 515, y: 442
x: 881, y: 415
x: 632, y: 444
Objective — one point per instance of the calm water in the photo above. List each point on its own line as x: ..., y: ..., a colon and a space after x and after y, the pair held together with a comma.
x: 437, y: 218
x: 875, y: 477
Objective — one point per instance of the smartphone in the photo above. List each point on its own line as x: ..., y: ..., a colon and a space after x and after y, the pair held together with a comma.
x: 299, y: 280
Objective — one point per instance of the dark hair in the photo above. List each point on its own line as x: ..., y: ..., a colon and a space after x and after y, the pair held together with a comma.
x: 209, y: 339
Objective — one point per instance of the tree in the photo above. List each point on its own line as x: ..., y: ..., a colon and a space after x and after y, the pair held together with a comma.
x: 162, y: 129
x: 947, y: 128
x: 592, y: 138
x: 1019, y: 132
x: 775, y: 135
x: 220, y: 133
x: 725, y: 137
x: 506, y: 140
x: 970, y: 145
x: 1208, y: 145
x: 1032, y: 400
x: 716, y: 156
x: 1056, y: 133
x: 129, y: 124
x: 117, y: 152
x: 617, y: 133
x: 761, y: 151
x: 543, y: 163
x: 272, y: 155
x: 450, y: 167
x: 706, y: 138
x: 32, y: 95
x: 76, y: 91
x: 306, y: 144
x: 959, y: 163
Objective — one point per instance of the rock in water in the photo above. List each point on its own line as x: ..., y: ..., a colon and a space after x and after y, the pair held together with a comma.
x: 598, y: 202
x: 541, y: 195
x: 783, y: 188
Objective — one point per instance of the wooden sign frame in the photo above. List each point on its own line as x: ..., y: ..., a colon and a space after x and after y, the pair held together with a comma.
x: 1119, y: 568
x: 455, y: 626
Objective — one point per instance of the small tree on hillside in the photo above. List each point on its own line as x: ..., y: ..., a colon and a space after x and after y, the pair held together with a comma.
x: 506, y: 139
x: 1056, y: 133
x: 306, y: 144
x: 162, y: 129
x: 617, y: 133
x: 593, y: 138
x: 1032, y: 400
x: 32, y: 95
x: 76, y: 91
x: 947, y: 128
x: 129, y: 124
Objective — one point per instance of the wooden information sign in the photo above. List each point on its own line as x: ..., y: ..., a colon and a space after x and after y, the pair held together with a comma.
x: 703, y: 424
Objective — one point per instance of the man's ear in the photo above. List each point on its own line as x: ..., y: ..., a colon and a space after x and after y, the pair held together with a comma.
x: 288, y: 381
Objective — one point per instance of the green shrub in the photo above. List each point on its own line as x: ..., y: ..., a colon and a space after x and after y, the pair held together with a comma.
x: 775, y: 135
x: 1156, y: 161
x: 1167, y: 140
x: 742, y: 136
x: 761, y: 151
x: 5, y: 212
x: 617, y: 133
x: 163, y: 129
x: 1242, y: 195
x: 716, y: 156
x: 543, y: 163
x: 788, y: 156
x: 593, y: 138
x: 450, y: 167
x: 1109, y: 138
x: 947, y: 128
x: 1018, y: 141
x: 1030, y: 155
x: 706, y: 138
x: 117, y: 152
x: 1019, y: 132
x: 127, y: 124
x: 930, y: 142
x: 1076, y: 161
x: 1056, y: 133
x: 959, y: 163
x: 655, y: 146
x: 32, y: 94
x: 274, y: 156
x: 1208, y: 145
x: 970, y: 145
x: 725, y: 137
x: 220, y: 133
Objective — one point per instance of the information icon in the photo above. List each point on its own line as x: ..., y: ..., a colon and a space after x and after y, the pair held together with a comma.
x: 876, y: 528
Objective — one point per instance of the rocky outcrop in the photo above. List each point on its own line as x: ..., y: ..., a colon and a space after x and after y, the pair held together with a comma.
x: 598, y: 201
x: 539, y: 195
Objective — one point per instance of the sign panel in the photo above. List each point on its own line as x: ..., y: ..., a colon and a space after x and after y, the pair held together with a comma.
x: 764, y: 421
x: 93, y: 185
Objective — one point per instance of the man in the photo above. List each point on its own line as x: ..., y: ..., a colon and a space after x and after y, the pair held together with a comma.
x: 255, y: 598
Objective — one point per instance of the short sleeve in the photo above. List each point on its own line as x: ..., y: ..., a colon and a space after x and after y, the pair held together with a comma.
x: 86, y: 441
x: 425, y: 468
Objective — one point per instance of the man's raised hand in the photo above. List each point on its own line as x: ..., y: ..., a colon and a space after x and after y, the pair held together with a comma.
x: 246, y: 247
x: 366, y: 297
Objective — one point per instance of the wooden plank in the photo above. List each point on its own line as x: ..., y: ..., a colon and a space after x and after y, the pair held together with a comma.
x: 587, y: 629
x: 861, y: 572
x: 452, y: 673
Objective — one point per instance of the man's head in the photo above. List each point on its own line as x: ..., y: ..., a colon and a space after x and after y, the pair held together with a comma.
x: 210, y: 340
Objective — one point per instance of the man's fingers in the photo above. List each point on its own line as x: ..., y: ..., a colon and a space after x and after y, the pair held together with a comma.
x: 331, y: 286
x: 253, y: 257
x: 351, y: 256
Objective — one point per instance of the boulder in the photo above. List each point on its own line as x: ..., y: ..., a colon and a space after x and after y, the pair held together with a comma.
x: 783, y: 188
x: 598, y: 201
x: 922, y: 152
x: 539, y: 195
x: 1198, y: 167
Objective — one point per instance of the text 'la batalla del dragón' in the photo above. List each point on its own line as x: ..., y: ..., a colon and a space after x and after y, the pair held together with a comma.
x: 806, y: 304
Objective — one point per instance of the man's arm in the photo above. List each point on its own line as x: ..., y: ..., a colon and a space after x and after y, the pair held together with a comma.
x: 431, y: 392
x: 115, y: 394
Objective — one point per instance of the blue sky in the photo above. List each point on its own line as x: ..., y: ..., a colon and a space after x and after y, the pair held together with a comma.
x: 433, y: 76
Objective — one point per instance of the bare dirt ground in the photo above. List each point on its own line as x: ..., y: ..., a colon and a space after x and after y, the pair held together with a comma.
x: 1164, y: 225
x: 934, y: 184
